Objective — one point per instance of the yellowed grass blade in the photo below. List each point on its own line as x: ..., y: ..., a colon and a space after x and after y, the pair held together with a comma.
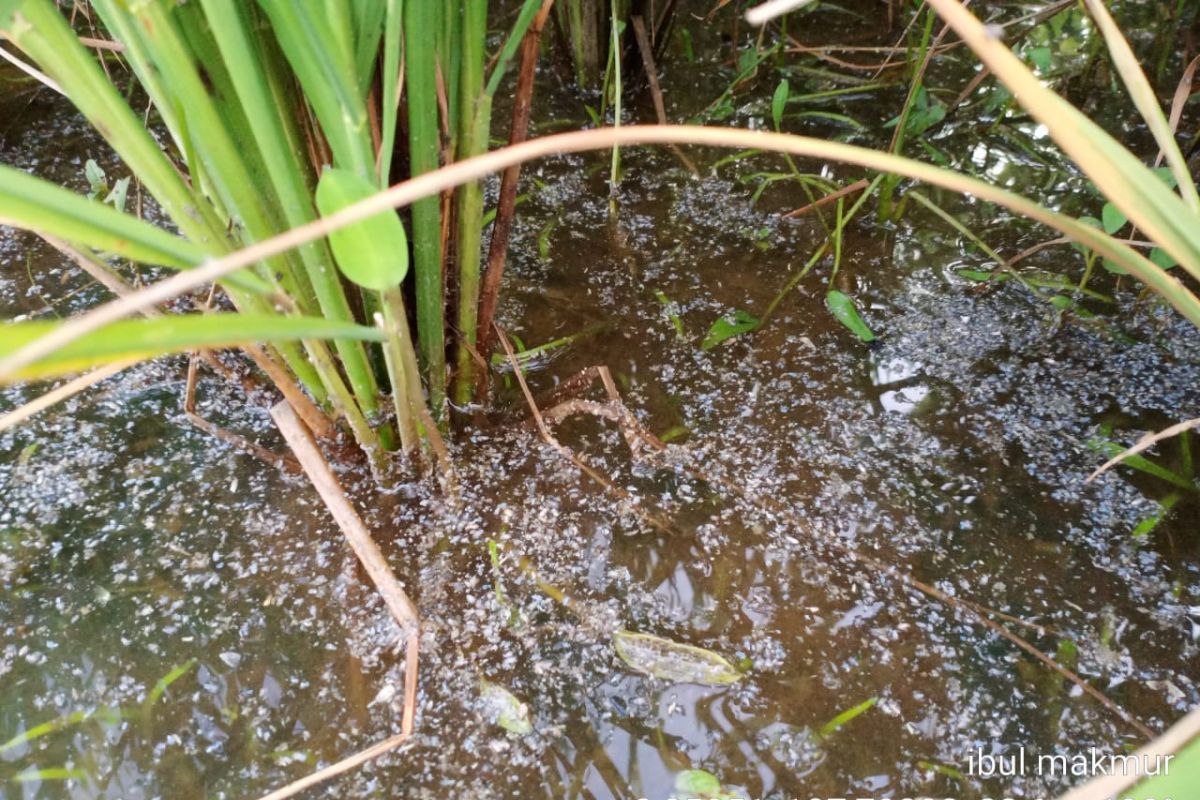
x: 432, y: 183
x: 1124, y: 180
x: 1146, y: 100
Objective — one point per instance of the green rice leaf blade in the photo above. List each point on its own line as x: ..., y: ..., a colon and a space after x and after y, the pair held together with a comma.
x: 141, y: 339
x: 49, y: 774
x: 779, y: 102
x: 36, y: 204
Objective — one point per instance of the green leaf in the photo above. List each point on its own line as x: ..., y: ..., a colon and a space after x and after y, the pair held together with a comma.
x: 372, y: 253
x: 116, y: 198
x: 831, y: 727
x: 36, y: 204
x: 727, y: 327
x: 95, y: 178
x: 1041, y: 58
x: 1111, y: 449
x: 698, y: 783
x: 163, y: 683
x: 1161, y: 258
x: 844, y: 310
x: 7, y: 7
x: 504, y: 709
x: 1112, y: 218
x: 140, y: 339
x: 779, y: 102
x: 672, y: 661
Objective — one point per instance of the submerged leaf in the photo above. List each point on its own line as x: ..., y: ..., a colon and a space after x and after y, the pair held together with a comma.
x: 372, y: 253
x: 50, y: 774
x: 831, y: 727
x: 698, y: 783
x: 727, y: 327
x: 842, y: 306
x: 672, y: 661
x: 504, y: 709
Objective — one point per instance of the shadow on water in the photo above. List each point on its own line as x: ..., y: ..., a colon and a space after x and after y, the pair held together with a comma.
x: 135, y: 551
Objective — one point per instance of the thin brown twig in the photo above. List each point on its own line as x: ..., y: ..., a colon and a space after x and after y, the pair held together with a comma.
x: 857, y: 186
x: 1183, y: 92
x: 284, y: 463
x: 544, y: 431
x: 651, y: 69
x: 333, y: 770
x: 489, y: 296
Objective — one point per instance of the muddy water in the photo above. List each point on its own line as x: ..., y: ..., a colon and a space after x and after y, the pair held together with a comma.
x: 135, y: 550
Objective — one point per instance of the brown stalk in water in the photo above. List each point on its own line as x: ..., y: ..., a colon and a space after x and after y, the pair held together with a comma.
x: 489, y: 295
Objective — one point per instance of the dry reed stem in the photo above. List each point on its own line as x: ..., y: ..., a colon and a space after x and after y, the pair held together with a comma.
x: 857, y: 186
x: 369, y: 555
x: 333, y: 770
x: 60, y: 393
x: 489, y: 296
x: 431, y: 183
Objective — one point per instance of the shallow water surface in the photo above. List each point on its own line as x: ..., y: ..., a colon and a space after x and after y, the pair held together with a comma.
x: 180, y: 620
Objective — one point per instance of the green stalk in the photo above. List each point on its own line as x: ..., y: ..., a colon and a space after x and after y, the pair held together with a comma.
x: 614, y: 177
x: 391, y: 302
x: 287, y: 174
x: 420, y: 31
x: 325, y: 68
x: 475, y: 118
x: 391, y: 87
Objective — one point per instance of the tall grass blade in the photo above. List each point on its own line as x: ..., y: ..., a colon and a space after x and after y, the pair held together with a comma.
x: 1125, y: 181
x: 1146, y: 100
x: 431, y: 184
x: 475, y: 117
x: 147, y: 338
x: 420, y: 33
x: 289, y: 176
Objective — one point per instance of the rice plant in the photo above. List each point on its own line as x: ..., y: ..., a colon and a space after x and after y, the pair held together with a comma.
x: 312, y: 116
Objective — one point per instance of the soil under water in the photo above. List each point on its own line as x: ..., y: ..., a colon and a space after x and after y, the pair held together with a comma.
x: 136, y: 550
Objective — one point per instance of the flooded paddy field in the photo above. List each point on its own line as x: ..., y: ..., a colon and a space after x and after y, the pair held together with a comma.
x: 180, y: 620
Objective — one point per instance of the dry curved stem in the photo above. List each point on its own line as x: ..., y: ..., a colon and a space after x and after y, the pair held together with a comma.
x: 30, y: 70
x: 539, y: 420
x: 60, y: 393
x: 1147, y: 441
x: 432, y: 183
x: 333, y: 770
x: 299, y: 438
